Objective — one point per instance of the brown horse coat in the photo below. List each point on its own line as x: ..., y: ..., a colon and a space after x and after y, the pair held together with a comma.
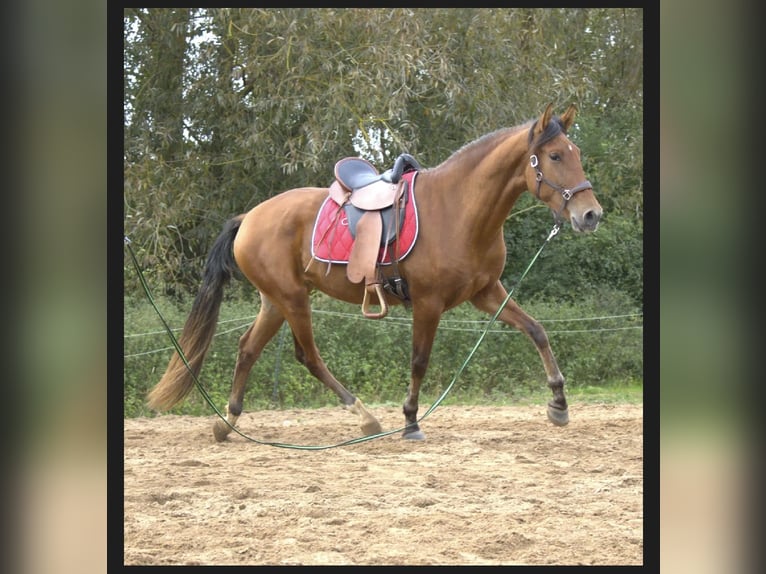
x: 459, y: 256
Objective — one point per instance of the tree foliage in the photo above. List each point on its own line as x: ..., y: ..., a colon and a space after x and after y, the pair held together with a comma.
x: 226, y: 107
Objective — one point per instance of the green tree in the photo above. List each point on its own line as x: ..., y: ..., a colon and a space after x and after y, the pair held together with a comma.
x: 226, y: 107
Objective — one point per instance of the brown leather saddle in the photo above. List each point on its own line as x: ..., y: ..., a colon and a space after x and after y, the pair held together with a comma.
x: 359, y: 184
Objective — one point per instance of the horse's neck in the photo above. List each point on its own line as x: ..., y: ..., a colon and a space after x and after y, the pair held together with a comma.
x: 477, y: 200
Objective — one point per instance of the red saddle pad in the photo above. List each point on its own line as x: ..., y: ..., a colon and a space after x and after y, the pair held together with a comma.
x: 334, y: 245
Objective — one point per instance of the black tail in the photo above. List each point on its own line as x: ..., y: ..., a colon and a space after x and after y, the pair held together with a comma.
x: 200, y: 326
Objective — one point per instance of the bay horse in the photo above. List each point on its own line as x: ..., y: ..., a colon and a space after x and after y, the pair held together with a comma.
x: 459, y: 256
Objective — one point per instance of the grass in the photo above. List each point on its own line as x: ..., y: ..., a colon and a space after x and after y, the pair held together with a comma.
x: 609, y: 393
x: 632, y: 393
x: 600, y: 364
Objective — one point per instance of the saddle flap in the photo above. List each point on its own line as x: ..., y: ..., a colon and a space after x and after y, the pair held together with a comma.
x: 377, y: 195
x: 364, y: 253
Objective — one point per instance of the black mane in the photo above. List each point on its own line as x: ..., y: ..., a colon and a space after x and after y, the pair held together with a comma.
x: 478, y: 147
x: 553, y: 129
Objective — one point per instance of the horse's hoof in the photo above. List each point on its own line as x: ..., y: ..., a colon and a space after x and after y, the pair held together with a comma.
x: 220, y: 431
x: 414, y: 435
x: 558, y: 417
x: 372, y: 427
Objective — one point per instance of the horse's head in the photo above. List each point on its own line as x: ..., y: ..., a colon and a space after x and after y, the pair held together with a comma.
x: 555, y: 172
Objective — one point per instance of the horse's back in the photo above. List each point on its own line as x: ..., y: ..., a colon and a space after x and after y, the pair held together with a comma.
x: 281, y: 213
x: 298, y: 199
x: 275, y: 231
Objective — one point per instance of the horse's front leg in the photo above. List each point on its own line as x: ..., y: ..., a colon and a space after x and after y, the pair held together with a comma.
x: 425, y: 320
x: 489, y: 300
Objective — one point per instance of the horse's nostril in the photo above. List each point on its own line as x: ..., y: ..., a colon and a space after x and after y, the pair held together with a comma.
x: 591, y: 216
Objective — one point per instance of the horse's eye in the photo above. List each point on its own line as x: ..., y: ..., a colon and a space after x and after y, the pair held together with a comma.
x: 555, y: 157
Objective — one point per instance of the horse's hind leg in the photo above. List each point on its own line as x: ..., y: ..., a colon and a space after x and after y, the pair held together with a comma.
x: 251, y: 344
x: 306, y: 352
x: 489, y: 300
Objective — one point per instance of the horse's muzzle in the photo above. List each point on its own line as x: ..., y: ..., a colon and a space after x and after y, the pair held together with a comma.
x: 588, y: 221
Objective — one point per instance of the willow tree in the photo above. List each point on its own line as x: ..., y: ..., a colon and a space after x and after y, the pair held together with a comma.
x: 226, y: 107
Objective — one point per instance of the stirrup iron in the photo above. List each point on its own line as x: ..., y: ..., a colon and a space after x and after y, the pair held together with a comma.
x: 381, y: 300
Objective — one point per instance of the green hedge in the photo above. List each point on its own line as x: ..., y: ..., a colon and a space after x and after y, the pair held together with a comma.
x: 593, y: 347
x: 573, y: 264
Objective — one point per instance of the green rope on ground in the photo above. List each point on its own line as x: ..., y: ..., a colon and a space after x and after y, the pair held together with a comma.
x: 436, y: 403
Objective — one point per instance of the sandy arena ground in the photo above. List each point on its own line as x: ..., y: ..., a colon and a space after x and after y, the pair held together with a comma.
x: 489, y: 486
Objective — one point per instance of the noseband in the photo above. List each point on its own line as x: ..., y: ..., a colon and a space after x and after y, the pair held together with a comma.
x: 567, y: 194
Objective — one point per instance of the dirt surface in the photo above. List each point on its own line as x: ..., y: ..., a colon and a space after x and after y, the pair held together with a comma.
x: 488, y: 486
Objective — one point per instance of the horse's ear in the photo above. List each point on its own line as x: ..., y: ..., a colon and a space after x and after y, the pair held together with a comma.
x: 542, y: 123
x: 567, y: 118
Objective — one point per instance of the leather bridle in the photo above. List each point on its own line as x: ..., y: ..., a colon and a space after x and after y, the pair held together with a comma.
x: 566, y: 193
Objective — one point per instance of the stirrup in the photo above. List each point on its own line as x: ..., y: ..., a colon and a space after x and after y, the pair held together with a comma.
x: 381, y: 300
